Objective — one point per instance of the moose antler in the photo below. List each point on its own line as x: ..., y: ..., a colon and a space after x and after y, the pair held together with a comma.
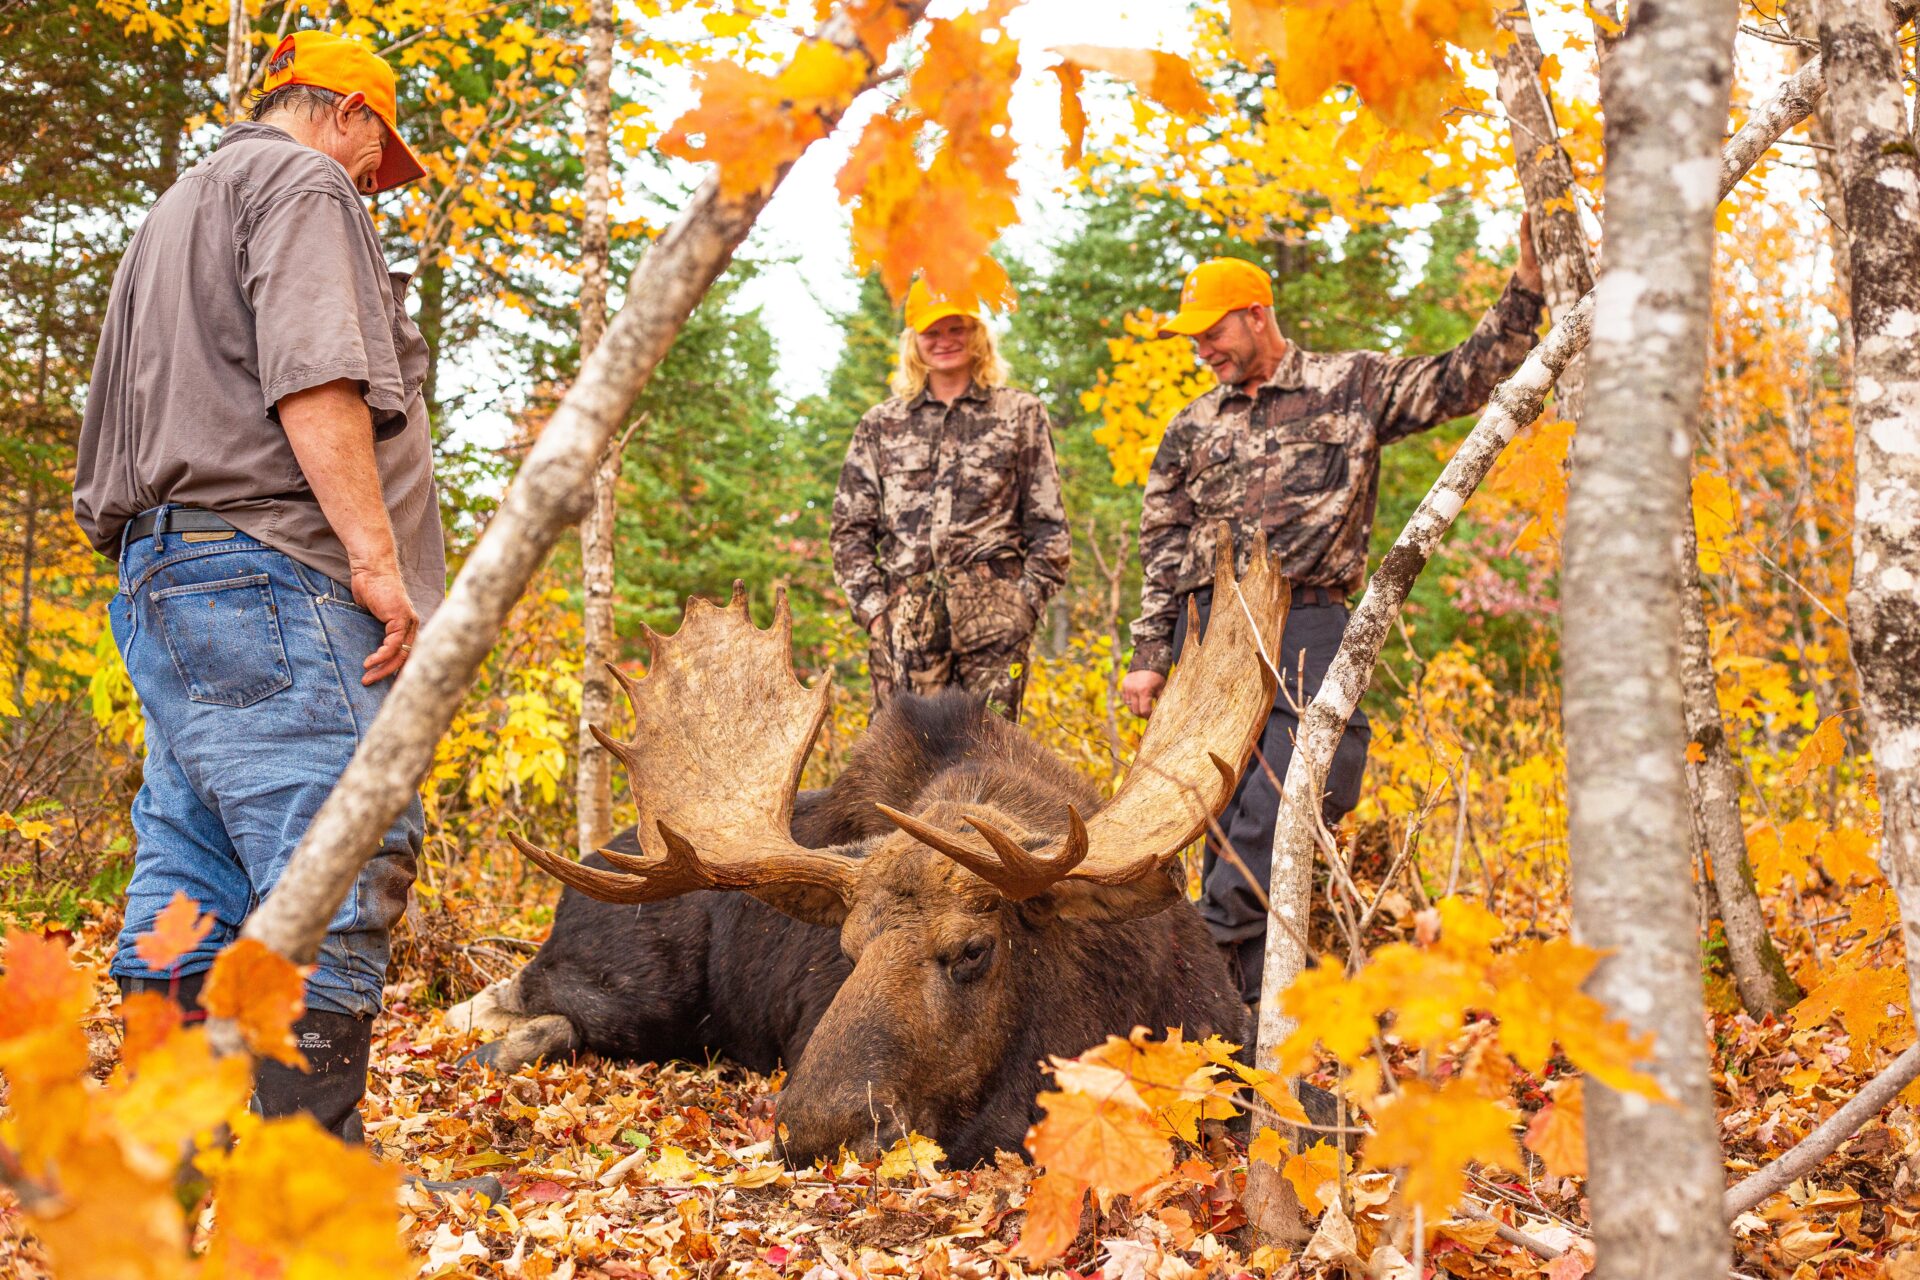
x: 722, y: 728
x: 1189, y: 761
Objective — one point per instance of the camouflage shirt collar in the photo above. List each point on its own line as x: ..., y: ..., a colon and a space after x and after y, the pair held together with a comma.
x: 1287, y: 375
x: 974, y: 392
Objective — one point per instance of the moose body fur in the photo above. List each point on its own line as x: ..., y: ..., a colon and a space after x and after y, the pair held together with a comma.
x: 889, y: 1022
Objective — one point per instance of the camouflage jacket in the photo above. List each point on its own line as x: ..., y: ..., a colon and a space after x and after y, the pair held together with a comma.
x: 929, y: 485
x: 1300, y: 457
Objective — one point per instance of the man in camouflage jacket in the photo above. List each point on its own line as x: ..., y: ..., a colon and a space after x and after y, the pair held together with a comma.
x: 948, y: 533
x: 1289, y: 442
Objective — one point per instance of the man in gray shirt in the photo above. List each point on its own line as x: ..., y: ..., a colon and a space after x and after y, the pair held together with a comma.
x: 256, y: 454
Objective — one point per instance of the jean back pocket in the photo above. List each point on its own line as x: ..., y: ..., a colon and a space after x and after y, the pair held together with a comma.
x: 225, y: 639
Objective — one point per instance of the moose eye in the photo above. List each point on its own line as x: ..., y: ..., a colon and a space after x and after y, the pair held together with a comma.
x: 970, y: 962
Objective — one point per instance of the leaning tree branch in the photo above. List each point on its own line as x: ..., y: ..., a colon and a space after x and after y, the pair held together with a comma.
x: 1827, y: 1137
x: 549, y: 494
x: 1514, y: 404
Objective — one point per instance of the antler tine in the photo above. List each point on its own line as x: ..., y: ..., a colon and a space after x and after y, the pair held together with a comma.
x: 972, y: 859
x: 606, y: 886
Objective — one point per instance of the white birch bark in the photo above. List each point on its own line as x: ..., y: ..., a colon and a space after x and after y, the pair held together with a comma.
x: 1655, y: 1172
x: 549, y: 493
x: 593, y: 778
x: 1882, y: 178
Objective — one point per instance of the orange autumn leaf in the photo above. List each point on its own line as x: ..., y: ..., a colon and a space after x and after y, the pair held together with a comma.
x: 43, y: 998
x: 1696, y: 754
x: 1073, y: 116
x: 297, y: 1199
x: 150, y: 1018
x: 1434, y: 1134
x: 116, y: 1221
x: 178, y: 929
x: 1315, y: 1175
x: 1164, y: 77
x: 1558, y: 1133
x: 1847, y: 854
x: 752, y: 125
x: 262, y: 991
x: 1053, y: 1217
x: 1099, y: 1132
x: 1825, y: 748
x: 1539, y: 1002
x: 1870, y: 1004
x: 1173, y: 1076
x: 1716, y: 517
x: 877, y: 23
x: 1394, y: 55
x: 177, y: 1092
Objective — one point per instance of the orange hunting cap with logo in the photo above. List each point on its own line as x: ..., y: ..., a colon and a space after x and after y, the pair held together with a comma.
x: 1214, y: 288
x: 346, y: 66
x: 925, y: 309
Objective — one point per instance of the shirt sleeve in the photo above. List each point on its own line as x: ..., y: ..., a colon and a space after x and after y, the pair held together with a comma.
x: 1043, y: 516
x: 855, y: 535
x: 1413, y: 393
x: 1166, y: 522
x: 322, y: 304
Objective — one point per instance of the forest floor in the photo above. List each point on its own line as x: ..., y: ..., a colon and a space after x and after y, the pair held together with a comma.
x: 666, y: 1171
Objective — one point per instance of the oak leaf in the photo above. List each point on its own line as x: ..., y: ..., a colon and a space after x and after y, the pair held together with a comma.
x: 178, y: 929
x: 1434, y: 1134
x: 263, y: 992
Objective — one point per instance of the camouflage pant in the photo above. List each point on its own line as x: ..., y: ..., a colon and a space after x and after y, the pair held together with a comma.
x: 969, y: 627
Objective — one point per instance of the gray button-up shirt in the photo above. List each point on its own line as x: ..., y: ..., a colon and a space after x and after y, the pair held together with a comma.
x: 257, y: 274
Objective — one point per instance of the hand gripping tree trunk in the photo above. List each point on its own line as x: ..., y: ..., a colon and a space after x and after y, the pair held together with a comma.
x: 1882, y: 175
x: 1546, y: 178
x: 1629, y: 829
x: 1713, y: 782
x: 548, y: 494
x: 593, y: 779
x: 1514, y: 404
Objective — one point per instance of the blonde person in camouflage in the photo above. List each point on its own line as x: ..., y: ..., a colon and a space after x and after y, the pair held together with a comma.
x: 948, y: 533
x: 1289, y: 442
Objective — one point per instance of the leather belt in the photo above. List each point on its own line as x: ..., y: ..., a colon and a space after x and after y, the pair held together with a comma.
x: 177, y: 520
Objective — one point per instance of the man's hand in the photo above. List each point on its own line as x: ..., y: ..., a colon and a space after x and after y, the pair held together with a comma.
x: 383, y: 593
x: 1139, y: 690
x: 1528, y: 272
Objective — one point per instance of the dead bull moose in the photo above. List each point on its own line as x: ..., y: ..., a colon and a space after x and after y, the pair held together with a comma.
x: 916, y: 939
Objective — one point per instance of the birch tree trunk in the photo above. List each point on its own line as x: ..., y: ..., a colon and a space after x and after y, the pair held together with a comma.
x: 1514, y: 404
x: 1804, y: 21
x: 593, y: 779
x: 1882, y: 175
x: 1656, y: 1173
x: 1546, y: 179
x: 1759, y: 972
x: 549, y: 493
x: 239, y: 60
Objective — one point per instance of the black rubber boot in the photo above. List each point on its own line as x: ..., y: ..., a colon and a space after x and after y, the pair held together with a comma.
x: 184, y: 992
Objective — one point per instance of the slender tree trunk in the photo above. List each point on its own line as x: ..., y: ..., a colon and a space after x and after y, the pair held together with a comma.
x: 549, y: 493
x: 1546, y: 178
x: 1858, y: 43
x: 1803, y: 20
x: 23, y: 638
x: 1656, y: 1173
x: 593, y: 784
x: 239, y: 59
x: 1713, y: 783
x: 1514, y: 404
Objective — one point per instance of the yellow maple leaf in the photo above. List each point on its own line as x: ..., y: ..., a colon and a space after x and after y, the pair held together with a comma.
x: 178, y: 1092
x: 1105, y: 1138
x: 261, y: 990
x: 1847, y: 854
x: 673, y: 1166
x: 177, y: 930
x: 1558, y: 1132
x: 1053, y: 1217
x: 914, y: 1155
x: 1315, y: 1175
x: 296, y: 1203
x: 1268, y: 1147
x: 1716, y: 517
x: 1826, y: 747
x: 1173, y: 1077
x: 149, y: 1018
x: 1331, y: 1009
x: 1870, y: 1004
x: 1538, y: 1001
x: 752, y: 125
x: 1434, y: 1134
x: 1164, y: 77
x: 114, y: 1221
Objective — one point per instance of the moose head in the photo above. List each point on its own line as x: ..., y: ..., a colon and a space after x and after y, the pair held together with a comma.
x: 999, y: 913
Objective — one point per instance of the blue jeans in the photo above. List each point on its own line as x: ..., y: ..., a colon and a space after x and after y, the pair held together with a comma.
x: 248, y: 668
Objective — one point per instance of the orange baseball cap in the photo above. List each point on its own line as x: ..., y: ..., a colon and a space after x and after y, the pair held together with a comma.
x: 344, y: 65
x: 1214, y: 288
x: 925, y: 309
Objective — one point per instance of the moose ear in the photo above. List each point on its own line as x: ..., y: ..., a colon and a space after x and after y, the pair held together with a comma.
x: 1086, y: 902
x: 804, y: 903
